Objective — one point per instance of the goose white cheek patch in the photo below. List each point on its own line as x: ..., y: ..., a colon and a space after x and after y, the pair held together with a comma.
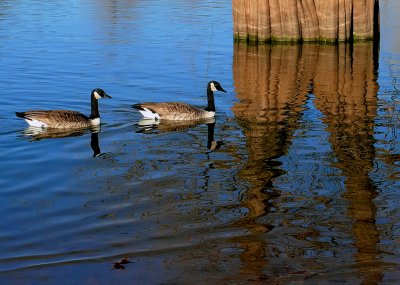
x: 212, y: 86
x: 96, y: 95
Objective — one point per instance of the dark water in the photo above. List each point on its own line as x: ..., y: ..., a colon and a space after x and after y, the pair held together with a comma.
x: 296, y: 181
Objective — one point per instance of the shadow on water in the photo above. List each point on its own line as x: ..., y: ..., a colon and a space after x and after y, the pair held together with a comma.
x: 277, y: 86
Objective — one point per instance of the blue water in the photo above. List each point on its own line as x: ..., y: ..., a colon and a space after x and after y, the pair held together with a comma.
x: 296, y: 181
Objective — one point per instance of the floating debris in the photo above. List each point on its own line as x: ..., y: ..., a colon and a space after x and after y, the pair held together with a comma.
x: 125, y: 260
x: 118, y: 264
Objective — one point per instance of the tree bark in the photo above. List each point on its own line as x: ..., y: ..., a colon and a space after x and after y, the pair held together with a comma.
x: 305, y: 20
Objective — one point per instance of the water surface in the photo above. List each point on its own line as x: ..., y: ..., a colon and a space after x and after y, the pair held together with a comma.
x: 296, y: 181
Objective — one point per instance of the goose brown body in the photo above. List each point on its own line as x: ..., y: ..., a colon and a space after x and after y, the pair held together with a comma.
x: 57, y: 118
x: 175, y: 111
x: 66, y: 119
x: 178, y: 111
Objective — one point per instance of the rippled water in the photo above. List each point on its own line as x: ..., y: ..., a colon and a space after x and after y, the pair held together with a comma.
x: 296, y: 181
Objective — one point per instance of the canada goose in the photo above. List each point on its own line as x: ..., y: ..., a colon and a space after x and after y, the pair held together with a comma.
x: 180, y: 111
x: 64, y: 118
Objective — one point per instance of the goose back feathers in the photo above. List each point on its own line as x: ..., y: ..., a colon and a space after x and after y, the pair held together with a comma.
x: 178, y: 111
x: 175, y: 111
x: 65, y: 118
x: 55, y: 118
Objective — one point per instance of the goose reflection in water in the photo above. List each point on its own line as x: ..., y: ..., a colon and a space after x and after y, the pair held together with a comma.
x: 37, y: 134
x: 150, y: 126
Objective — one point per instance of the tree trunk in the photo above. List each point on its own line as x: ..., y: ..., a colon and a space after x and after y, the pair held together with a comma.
x: 305, y: 20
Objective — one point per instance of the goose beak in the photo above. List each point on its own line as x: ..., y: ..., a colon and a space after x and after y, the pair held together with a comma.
x: 107, y: 96
x: 221, y: 89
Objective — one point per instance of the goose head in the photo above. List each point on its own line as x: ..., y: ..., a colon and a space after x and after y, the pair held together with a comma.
x: 100, y: 93
x: 215, y: 86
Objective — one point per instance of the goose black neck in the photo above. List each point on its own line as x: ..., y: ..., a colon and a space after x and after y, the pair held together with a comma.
x: 95, y: 108
x: 210, y: 100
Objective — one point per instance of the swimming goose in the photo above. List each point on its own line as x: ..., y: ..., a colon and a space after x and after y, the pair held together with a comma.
x: 180, y: 111
x: 64, y: 118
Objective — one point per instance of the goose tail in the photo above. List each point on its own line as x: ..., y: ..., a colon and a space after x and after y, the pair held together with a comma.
x: 147, y: 112
x: 20, y: 114
x: 137, y: 106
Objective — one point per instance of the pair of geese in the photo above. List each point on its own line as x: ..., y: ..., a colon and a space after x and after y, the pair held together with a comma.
x: 172, y: 111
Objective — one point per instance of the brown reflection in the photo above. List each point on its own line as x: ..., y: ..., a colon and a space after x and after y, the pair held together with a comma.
x: 348, y: 100
x: 273, y: 84
x: 268, y: 113
x: 271, y: 94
